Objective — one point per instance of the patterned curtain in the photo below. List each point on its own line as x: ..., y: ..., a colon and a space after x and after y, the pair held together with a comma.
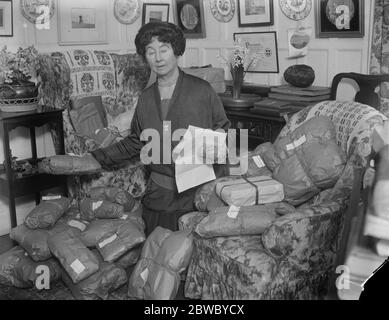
x: 379, y: 62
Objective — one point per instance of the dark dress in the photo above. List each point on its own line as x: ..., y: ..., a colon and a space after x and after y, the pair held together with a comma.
x: 194, y: 102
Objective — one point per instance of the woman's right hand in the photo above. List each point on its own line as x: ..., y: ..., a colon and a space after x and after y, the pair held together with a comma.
x: 70, y: 165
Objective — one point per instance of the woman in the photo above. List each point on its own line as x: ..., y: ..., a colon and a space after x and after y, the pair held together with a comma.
x: 178, y: 99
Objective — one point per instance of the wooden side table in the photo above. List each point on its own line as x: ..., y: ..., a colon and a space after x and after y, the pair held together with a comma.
x: 14, y: 186
x: 261, y: 128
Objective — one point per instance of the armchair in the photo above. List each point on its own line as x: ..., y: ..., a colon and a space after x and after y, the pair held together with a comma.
x: 296, y: 256
x: 118, y: 79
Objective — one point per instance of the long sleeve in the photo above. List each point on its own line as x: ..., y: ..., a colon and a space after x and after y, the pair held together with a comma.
x: 125, y: 150
x: 219, y: 117
x: 219, y: 121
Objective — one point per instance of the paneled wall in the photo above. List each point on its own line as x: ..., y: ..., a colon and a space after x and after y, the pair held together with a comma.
x: 326, y: 56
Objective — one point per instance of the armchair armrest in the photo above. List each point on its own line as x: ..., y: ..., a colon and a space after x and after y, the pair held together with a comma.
x: 302, y: 236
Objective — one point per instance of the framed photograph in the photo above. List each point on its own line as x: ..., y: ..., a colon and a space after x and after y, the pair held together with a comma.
x: 189, y: 15
x: 255, y: 13
x: 155, y: 12
x: 343, y: 20
x: 265, y: 45
x: 82, y: 22
x: 6, y: 19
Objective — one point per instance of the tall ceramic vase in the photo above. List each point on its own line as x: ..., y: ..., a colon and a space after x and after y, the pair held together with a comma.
x: 237, y: 74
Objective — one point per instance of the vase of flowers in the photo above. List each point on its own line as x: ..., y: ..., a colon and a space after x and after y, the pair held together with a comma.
x: 237, y: 73
x: 240, y: 61
x: 17, y: 91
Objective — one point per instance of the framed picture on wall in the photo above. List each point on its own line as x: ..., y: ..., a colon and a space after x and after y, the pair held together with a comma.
x: 155, y: 12
x: 255, y: 13
x: 82, y: 22
x: 339, y: 19
x: 6, y: 19
x: 264, y: 44
x: 189, y: 16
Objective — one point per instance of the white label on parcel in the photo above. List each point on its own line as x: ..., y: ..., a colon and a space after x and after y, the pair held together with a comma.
x: 96, y: 205
x: 77, y: 224
x: 46, y: 198
x: 258, y: 161
x: 77, y: 266
x: 296, y: 143
x: 145, y: 274
x: 108, y: 240
x: 233, y: 212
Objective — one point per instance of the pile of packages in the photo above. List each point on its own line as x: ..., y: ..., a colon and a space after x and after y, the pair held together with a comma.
x: 90, y: 247
x: 94, y: 248
x: 277, y: 179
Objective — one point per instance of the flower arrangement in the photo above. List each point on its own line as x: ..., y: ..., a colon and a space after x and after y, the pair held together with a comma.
x: 241, y: 60
x: 18, y: 68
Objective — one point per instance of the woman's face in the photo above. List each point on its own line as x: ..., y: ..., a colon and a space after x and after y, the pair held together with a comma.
x: 160, y: 57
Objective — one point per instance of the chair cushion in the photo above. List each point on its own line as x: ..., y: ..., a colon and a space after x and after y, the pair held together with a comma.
x: 87, y: 115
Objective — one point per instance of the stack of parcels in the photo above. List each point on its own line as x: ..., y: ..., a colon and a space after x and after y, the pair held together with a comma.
x: 250, y: 191
x: 276, y: 179
x: 165, y: 256
x: 92, y: 248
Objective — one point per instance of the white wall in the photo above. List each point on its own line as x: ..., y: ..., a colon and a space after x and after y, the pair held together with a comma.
x: 326, y: 56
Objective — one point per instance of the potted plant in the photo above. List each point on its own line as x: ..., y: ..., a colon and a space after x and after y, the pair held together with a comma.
x: 17, y: 91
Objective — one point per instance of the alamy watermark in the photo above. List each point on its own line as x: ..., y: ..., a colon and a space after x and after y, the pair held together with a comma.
x: 218, y: 147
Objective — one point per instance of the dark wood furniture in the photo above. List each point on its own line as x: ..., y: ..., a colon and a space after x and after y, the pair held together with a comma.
x: 10, y: 184
x: 367, y: 85
x: 261, y: 128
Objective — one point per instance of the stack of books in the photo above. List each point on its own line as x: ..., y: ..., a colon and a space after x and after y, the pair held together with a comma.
x: 300, y: 96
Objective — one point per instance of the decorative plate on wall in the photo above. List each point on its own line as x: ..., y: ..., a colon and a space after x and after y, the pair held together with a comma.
x: 223, y: 10
x: 296, y: 9
x: 37, y: 11
x: 127, y: 11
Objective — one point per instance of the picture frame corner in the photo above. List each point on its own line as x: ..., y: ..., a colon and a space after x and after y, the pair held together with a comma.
x: 333, y: 33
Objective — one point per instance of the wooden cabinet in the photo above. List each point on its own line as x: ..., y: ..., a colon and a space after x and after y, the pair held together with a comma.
x: 11, y: 184
x: 261, y: 128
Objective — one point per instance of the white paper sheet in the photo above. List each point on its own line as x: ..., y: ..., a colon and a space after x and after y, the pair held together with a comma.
x: 190, y: 169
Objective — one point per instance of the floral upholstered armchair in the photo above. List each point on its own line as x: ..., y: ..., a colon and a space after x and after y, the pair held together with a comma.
x: 295, y: 257
x: 118, y: 79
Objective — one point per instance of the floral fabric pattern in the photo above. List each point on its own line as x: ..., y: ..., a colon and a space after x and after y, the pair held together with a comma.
x: 379, y: 59
x: 119, y: 79
x: 295, y: 257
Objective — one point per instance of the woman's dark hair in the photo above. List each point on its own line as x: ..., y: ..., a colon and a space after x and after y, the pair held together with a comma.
x: 165, y: 32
